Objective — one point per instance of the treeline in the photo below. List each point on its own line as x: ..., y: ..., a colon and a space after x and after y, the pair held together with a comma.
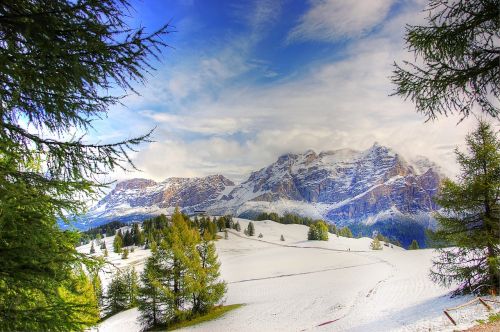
x: 99, y: 232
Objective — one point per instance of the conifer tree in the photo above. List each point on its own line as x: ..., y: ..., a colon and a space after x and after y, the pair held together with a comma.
x: 318, y: 231
x: 226, y: 235
x: 414, y: 245
x: 282, y: 238
x: 151, y: 300
x: 103, y: 245
x: 116, y: 295
x: 457, y: 53
x: 237, y: 226
x: 251, y: 229
x: 92, y: 249
x: 209, y: 289
x: 132, y: 281
x: 118, y: 242
x: 469, y: 227
x: 106, y: 254
x: 60, y: 61
x: 376, y: 245
x: 125, y: 254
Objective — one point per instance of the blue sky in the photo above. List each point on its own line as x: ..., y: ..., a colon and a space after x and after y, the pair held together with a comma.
x: 246, y: 81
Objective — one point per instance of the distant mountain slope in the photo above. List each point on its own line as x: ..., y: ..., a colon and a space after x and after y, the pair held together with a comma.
x: 343, y: 186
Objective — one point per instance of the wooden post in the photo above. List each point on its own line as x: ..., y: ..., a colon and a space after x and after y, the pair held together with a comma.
x: 485, y: 304
x: 449, y: 317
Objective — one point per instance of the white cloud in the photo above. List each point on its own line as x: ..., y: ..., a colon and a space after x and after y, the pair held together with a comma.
x: 329, y: 20
x: 333, y: 105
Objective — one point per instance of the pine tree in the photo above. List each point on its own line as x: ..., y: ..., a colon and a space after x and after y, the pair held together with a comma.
x: 125, y: 254
x: 282, y: 238
x: 92, y: 249
x: 251, y: 229
x: 106, y: 254
x: 469, y: 228
x: 103, y: 245
x: 226, y: 236
x: 414, y: 245
x: 237, y: 226
x: 376, y: 245
x: 260, y: 235
x: 138, y: 235
x: 459, y: 59
x: 221, y: 224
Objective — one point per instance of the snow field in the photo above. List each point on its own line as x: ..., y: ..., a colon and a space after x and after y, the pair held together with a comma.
x: 299, y: 285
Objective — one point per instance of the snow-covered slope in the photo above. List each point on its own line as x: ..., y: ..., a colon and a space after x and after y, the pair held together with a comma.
x: 338, y: 285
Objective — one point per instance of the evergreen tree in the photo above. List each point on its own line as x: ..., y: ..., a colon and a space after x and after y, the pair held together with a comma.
x: 209, y: 289
x: 226, y: 236
x: 414, y: 245
x: 260, y: 235
x: 251, y: 229
x: 132, y: 281
x: 221, y: 224
x: 109, y: 232
x: 116, y: 295
x: 459, y: 57
x: 282, y: 238
x: 106, y: 254
x: 138, y: 235
x: 125, y: 254
x: 92, y: 249
x: 151, y: 301
x: 237, y: 226
x: 469, y: 228
x: 103, y: 245
x: 318, y: 231
x: 118, y: 242
x: 345, y: 232
x: 376, y: 245
x: 60, y: 60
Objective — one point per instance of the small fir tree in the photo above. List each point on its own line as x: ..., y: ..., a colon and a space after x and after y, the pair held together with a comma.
x: 125, y: 254
x: 118, y: 242
x: 414, y: 245
x: 92, y: 249
x: 251, y: 229
x: 282, y: 238
x: 226, y: 236
x: 237, y: 226
x: 376, y: 245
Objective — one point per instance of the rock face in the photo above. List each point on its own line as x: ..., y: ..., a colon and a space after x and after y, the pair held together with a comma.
x: 343, y: 186
x: 141, y: 197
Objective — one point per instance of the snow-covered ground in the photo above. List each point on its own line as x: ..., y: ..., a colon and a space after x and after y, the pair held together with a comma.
x: 298, y: 285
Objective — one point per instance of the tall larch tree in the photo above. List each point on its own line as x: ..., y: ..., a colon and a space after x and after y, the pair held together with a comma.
x: 469, y: 226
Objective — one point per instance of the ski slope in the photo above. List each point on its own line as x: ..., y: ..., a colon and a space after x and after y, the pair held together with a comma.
x: 335, y: 285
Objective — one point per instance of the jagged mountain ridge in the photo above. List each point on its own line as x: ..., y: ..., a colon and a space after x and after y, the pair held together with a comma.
x: 344, y: 186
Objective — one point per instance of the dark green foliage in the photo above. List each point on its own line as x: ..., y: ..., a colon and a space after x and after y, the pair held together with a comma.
x: 318, y: 231
x: 460, y: 59
x: 470, y: 221
x: 414, y: 245
x: 92, y: 249
x: 400, y: 231
x: 221, y: 224
x: 237, y: 226
x: 103, y: 245
x: 137, y: 235
x: 288, y: 218
x: 251, y: 229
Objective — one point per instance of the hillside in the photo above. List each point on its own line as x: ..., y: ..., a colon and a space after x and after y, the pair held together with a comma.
x: 297, y: 285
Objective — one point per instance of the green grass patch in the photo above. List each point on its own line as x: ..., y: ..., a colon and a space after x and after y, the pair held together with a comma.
x: 214, y: 314
x: 491, y: 319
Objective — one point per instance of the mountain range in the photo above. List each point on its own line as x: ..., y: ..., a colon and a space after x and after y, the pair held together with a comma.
x: 367, y: 190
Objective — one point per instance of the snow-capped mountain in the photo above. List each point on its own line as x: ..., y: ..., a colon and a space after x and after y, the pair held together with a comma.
x: 343, y: 186
x: 138, y: 198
